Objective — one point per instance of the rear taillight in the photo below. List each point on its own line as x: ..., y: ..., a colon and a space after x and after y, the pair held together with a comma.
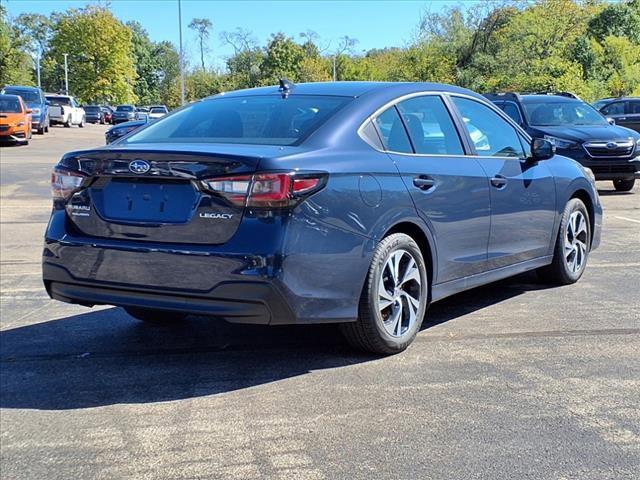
x: 266, y: 190
x: 64, y: 183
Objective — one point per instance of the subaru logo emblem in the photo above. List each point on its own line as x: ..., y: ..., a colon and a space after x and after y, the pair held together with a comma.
x: 139, y: 166
x: 611, y: 145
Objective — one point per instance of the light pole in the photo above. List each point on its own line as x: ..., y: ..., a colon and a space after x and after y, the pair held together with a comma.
x: 181, y: 53
x: 38, y: 69
x: 66, y: 74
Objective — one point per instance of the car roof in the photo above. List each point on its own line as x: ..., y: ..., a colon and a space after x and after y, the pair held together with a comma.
x: 21, y: 87
x: 347, y: 89
x: 548, y: 99
x: 9, y: 95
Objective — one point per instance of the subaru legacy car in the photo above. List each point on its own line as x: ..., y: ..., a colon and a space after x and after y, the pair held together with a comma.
x: 578, y: 131
x: 353, y: 203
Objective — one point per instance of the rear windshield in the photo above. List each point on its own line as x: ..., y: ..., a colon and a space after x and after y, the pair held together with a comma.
x: 158, y: 110
x: 265, y: 120
x: 27, y: 95
x: 124, y: 108
x: 59, y: 100
x: 10, y: 105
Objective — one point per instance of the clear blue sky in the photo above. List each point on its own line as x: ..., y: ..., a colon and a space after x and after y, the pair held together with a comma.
x: 375, y: 23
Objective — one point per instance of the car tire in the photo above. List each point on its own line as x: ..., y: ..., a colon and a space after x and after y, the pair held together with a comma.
x: 47, y: 125
x: 40, y: 130
x: 82, y: 121
x: 67, y: 123
x: 388, y: 317
x: 157, y: 317
x: 625, y: 185
x: 572, y: 246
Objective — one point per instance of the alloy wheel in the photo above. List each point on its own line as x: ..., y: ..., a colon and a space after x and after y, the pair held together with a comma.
x: 575, y: 242
x: 400, y: 293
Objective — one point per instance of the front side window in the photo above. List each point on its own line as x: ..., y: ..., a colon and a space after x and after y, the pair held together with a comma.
x: 559, y: 113
x: 615, y: 108
x: 491, y: 134
x: 513, y: 111
x: 430, y: 126
x: 265, y: 120
x: 392, y: 131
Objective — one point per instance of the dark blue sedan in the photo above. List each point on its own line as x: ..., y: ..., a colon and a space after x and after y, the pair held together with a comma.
x: 357, y: 203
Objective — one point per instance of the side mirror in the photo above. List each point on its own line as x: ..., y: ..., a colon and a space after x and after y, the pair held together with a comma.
x: 611, y: 121
x: 542, y: 149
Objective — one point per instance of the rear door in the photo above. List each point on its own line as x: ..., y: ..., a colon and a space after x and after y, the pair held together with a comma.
x: 633, y: 115
x: 523, y: 199
x: 448, y: 187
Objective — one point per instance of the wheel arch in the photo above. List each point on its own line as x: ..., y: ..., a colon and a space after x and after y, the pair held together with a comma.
x: 584, y: 196
x: 424, y: 242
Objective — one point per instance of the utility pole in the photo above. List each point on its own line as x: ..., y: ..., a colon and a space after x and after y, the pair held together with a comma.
x: 334, y: 69
x: 181, y: 53
x: 38, y: 69
x: 66, y: 74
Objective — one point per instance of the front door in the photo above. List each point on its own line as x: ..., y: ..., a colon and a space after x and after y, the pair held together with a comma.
x: 523, y: 198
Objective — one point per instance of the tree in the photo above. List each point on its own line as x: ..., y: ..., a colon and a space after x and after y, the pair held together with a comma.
x: 202, y: 27
x: 283, y: 59
x: 15, y: 64
x: 618, y: 19
x: 168, y: 59
x: 147, y: 64
x: 100, y: 55
x: 245, y: 65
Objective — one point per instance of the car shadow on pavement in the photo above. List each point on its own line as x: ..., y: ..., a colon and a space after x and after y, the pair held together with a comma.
x: 105, y: 357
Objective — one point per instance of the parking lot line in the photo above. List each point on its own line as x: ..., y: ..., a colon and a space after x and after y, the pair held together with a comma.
x: 628, y: 219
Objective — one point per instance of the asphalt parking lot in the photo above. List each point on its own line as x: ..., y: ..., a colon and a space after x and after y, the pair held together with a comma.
x: 510, y: 381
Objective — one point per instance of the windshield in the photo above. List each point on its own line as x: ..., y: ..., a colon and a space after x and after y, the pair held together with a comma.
x: 28, y: 96
x: 124, y: 108
x: 91, y: 108
x: 556, y: 114
x: 59, y: 100
x: 10, y: 105
x: 266, y: 120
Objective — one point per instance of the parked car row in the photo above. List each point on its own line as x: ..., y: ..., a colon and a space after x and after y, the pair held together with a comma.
x: 25, y: 110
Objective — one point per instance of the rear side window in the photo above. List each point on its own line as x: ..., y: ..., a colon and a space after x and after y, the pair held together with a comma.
x: 266, y: 120
x: 430, y: 126
x: 491, y: 134
x: 634, y: 107
x: 392, y: 131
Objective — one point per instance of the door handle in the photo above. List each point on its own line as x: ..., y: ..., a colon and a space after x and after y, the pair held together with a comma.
x: 424, y: 182
x: 498, y: 181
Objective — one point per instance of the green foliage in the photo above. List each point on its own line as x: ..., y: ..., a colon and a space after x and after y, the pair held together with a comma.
x: 588, y: 47
x: 15, y: 64
x: 100, y: 55
x: 618, y: 19
x: 283, y: 58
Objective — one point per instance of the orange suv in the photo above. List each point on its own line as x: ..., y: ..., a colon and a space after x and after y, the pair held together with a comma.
x: 15, y: 119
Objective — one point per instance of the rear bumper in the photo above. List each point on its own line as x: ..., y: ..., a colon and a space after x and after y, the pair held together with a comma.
x: 243, y: 281
x: 239, y: 302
